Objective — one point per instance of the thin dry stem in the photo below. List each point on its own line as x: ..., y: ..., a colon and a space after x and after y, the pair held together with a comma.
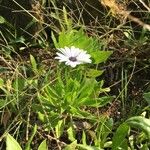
x: 144, y: 5
x: 119, y: 9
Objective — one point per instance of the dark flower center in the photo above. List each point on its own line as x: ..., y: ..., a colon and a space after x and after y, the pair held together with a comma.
x: 72, y: 59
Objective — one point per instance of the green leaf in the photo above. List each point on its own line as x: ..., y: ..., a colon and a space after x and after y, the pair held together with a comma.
x: 27, y: 146
x: 43, y: 146
x: 1, y: 82
x: 87, y: 87
x: 11, y: 143
x: 47, y: 99
x: 33, y: 63
x: 103, y: 129
x: 41, y: 116
x: 71, y: 146
x: 2, y: 103
x: 18, y: 84
x: 66, y: 39
x: 51, y: 92
x: 147, y: 97
x: 67, y: 21
x: 78, y: 39
x: 54, y: 40
x: 83, y: 138
x: 100, y: 56
x: 119, y: 137
x: 98, y: 102
x: 145, y: 147
x: 104, y: 100
x: 53, y: 117
x: 140, y: 122
x: 54, y: 121
x: 94, y: 73
x: 86, y: 147
x: 59, y: 128
x: 82, y: 114
x: 71, y: 133
x: 18, y: 40
x: 2, y: 20
x: 59, y: 86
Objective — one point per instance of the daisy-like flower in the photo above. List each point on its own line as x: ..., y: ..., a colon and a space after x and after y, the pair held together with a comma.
x: 73, y: 56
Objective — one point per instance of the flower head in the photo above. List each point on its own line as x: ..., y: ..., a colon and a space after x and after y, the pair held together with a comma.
x: 73, y: 56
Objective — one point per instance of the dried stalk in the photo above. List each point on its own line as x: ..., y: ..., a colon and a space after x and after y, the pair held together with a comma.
x: 119, y: 10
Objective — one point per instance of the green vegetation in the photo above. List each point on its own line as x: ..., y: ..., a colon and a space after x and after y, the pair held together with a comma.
x: 76, y: 77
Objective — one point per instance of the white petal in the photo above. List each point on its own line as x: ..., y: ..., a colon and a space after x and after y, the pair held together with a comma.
x: 72, y: 64
x: 60, y: 55
x: 63, y: 51
x: 75, y: 51
x: 81, y: 56
x: 85, y: 58
x: 69, y: 51
x: 63, y: 59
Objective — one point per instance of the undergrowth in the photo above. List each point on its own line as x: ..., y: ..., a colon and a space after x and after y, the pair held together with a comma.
x: 99, y: 101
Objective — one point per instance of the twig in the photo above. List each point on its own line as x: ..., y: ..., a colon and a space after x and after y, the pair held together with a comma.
x: 118, y: 9
x: 144, y: 5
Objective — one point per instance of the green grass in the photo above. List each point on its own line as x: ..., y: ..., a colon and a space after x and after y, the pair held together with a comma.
x: 45, y: 104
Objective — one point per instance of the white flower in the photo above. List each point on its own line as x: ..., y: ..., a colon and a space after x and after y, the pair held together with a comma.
x: 73, y: 56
